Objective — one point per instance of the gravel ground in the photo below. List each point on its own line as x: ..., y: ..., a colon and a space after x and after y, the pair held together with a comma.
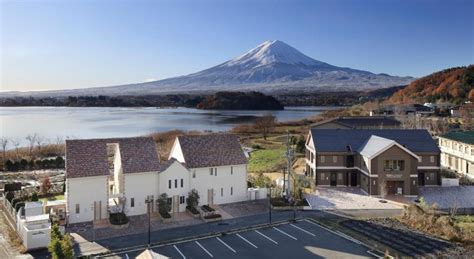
x: 453, y: 251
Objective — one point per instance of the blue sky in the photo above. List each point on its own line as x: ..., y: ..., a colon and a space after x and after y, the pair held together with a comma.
x: 74, y: 44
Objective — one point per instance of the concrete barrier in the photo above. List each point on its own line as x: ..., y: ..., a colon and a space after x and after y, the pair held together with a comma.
x: 449, y: 182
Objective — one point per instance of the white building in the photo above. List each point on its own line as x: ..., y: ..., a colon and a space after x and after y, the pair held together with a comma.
x: 217, y: 165
x: 33, y: 226
x: 104, y: 175
x: 457, y: 152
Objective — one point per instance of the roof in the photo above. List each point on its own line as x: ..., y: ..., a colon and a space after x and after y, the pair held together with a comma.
x: 461, y: 136
x: 340, y: 140
x: 211, y: 150
x: 356, y: 122
x: 375, y: 145
x: 88, y: 157
x: 33, y: 204
x: 150, y: 254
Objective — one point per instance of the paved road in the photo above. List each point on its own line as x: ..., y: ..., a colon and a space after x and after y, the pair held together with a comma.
x: 303, y: 239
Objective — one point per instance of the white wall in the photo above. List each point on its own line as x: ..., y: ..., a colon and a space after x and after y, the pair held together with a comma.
x: 84, y: 191
x: 139, y: 186
x: 175, y: 172
x: 176, y: 152
x: 204, y: 181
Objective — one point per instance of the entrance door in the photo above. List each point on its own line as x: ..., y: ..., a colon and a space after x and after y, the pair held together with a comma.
x: 421, y: 179
x: 97, y: 209
x: 210, y: 197
x: 333, y: 179
x: 353, y: 179
x: 175, y: 204
x: 394, y: 187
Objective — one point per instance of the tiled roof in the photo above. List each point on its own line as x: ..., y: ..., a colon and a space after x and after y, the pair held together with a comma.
x: 355, y: 122
x: 461, y: 136
x: 88, y: 157
x: 340, y: 140
x: 211, y: 150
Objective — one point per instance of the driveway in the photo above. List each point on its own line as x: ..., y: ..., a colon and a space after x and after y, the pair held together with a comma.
x: 446, y: 197
x: 347, y: 198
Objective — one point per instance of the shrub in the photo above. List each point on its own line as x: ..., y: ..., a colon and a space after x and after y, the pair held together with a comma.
x: 256, y: 146
x: 279, y: 202
x: 193, y: 198
x: 118, y: 218
x: 213, y: 216
x: 34, y: 197
x: 206, y: 208
x: 193, y: 210
x: 464, y: 180
x: 9, y: 196
x: 163, y: 206
x: 165, y: 215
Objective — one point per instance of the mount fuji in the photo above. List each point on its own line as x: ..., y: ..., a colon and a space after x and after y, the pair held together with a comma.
x: 271, y: 67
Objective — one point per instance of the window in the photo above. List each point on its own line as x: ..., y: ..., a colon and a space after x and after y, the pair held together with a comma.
x: 322, y: 176
x: 334, y: 159
x: 182, y: 183
x: 339, y: 176
x: 421, y: 159
x: 394, y: 165
x: 222, y: 192
x: 215, y: 171
x: 323, y: 159
x: 175, y: 183
x: 231, y: 170
x: 78, y: 210
x: 132, y: 202
x: 231, y: 190
x: 181, y: 200
x: 169, y: 184
x: 211, y: 171
x: 432, y: 159
x: 194, y: 173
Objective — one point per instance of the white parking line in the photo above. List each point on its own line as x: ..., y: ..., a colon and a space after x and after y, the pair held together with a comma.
x: 243, y: 238
x: 182, y: 255
x: 307, y: 232
x: 276, y: 243
x: 335, y: 232
x: 284, y: 233
x: 205, y: 250
x: 228, y: 246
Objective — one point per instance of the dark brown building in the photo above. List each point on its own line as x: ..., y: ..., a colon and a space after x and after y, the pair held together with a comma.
x: 388, y: 161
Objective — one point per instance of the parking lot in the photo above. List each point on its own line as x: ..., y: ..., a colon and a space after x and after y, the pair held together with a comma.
x: 302, y: 239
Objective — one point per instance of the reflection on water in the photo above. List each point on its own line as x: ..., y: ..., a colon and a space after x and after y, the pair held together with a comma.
x: 100, y: 122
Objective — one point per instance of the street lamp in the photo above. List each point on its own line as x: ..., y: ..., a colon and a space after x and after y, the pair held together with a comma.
x: 149, y: 202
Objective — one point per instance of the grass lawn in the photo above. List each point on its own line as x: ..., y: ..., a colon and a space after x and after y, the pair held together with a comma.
x: 54, y: 198
x: 266, y: 160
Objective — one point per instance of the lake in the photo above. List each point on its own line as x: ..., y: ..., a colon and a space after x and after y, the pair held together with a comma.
x: 105, y: 122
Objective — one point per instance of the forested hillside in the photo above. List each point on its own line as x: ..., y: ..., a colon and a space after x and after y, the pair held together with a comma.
x: 454, y: 85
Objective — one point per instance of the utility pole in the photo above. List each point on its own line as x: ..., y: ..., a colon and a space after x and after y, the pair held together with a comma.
x: 149, y: 202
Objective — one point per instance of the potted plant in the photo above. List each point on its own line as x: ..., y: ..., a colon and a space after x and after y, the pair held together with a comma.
x: 192, y: 203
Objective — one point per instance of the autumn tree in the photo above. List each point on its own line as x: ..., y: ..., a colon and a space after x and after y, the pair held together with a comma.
x: 31, y: 143
x: 46, y: 185
x: 265, y: 123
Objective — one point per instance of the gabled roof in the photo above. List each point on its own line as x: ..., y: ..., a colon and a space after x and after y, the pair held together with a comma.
x: 88, y: 157
x: 375, y: 145
x: 461, y: 136
x: 360, y: 122
x: 338, y: 140
x: 211, y: 150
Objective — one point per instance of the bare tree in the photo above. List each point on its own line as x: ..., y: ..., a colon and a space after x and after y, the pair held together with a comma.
x: 265, y: 123
x: 39, y: 143
x: 59, y: 141
x: 4, y: 143
x: 16, y: 144
x: 31, y: 143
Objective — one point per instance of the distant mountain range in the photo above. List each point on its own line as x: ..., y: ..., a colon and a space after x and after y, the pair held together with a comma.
x: 454, y: 85
x: 271, y: 67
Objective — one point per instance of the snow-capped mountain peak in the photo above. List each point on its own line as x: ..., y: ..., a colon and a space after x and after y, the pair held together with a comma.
x: 273, y: 51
